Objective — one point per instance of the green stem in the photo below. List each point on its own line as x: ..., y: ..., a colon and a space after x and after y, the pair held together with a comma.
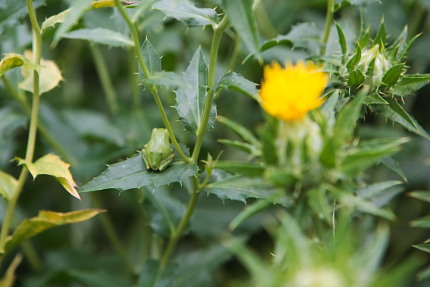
x: 328, y: 24
x: 180, y: 230
x: 218, y: 32
x: 107, y: 86
x: 135, y: 95
x: 147, y: 73
x: 31, y: 142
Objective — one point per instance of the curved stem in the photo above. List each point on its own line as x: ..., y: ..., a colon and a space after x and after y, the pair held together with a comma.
x: 218, y: 32
x: 31, y: 142
x: 147, y: 73
x: 328, y: 23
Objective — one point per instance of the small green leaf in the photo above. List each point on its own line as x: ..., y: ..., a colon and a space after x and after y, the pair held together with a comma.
x: 101, y: 36
x: 55, y: 19
x: 152, y: 59
x: 243, y: 132
x: 10, y: 61
x: 248, y: 212
x: 52, y: 165
x: 342, y: 40
x: 374, y: 99
x: 421, y: 195
x: 243, y: 20
x: 353, y: 62
x: 240, y: 188
x: 279, y: 40
x: 393, y: 74
x: 77, y: 8
x: 395, y: 167
x: 410, y: 84
x: 191, y: 97
x: 423, y: 247
x: 236, y: 82
x: 186, y: 11
x: 246, y: 147
x: 7, y: 185
x: 132, y: 173
x: 423, y: 222
x: 44, y: 221
x: 366, y: 206
x: 12, y: 11
x: 381, y: 36
x: 356, y: 78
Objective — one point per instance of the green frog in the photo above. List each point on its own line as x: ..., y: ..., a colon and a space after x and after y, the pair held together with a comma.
x: 158, y: 153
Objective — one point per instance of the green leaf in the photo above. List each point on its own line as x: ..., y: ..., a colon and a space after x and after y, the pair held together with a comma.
x: 393, y: 74
x: 423, y: 247
x: 345, y: 123
x: 243, y: 132
x: 151, y: 57
x: 44, y: 221
x: 240, y: 188
x: 191, y: 97
x: 368, y: 153
x: 374, y: 99
x: 101, y: 36
x: 395, y: 167
x: 381, y: 36
x: 244, y: 168
x: 410, y: 84
x: 10, y: 61
x: 55, y: 19
x: 8, y: 185
x: 422, y: 195
x: 366, y: 206
x: 243, y: 20
x: 423, y: 222
x: 395, y: 112
x: 12, y: 11
x: 356, y: 78
x: 319, y: 202
x: 372, y: 190
x: 234, y: 81
x: 248, y: 212
x: 165, y: 79
x: 132, y: 173
x: 186, y: 11
x: 52, y: 165
x: 303, y: 35
x: 353, y: 62
x: 342, y: 39
x: 246, y: 147
x: 77, y: 8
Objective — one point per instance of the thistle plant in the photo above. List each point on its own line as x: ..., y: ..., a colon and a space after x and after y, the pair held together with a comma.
x: 243, y: 147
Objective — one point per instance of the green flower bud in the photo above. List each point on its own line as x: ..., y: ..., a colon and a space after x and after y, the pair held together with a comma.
x: 381, y: 64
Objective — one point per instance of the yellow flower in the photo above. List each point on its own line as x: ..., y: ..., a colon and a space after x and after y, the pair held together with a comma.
x: 290, y: 93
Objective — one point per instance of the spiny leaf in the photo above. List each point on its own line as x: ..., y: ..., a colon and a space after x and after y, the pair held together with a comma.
x: 236, y: 82
x: 7, y: 185
x: 152, y: 59
x: 46, y: 220
x: 9, y: 62
x: 52, y: 165
x: 410, y: 84
x: 132, y: 173
x: 393, y: 74
x: 186, y: 11
x: 101, y: 36
x: 55, y: 19
x: 191, y: 97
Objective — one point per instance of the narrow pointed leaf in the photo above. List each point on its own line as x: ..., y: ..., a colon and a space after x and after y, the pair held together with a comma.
x: 342, y: 39
x: 422, y: 195
x: 101, y: 36
x: 191, y: 97
x: 410, y: 84
x: 243, y: 20
x: 243, y: 132
x: 44, y: 221
x: 381, y: 36
x: 186, y: 11
x: 423, y: 222
x: 132, y: 173
x: 152, y: 59
x: 52, y: 165
x: 393, y: 74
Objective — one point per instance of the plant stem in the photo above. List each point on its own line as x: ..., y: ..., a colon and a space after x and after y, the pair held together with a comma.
x: 218, y: 32
x: 107, y: 86
x: 147, y: 73
x: 31, y: 142
x: 328, y: 24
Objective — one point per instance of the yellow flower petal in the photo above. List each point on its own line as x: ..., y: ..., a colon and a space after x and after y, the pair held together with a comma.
x: 290, y: 93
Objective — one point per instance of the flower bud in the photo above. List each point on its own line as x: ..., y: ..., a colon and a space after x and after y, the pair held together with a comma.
x: 381, y: 64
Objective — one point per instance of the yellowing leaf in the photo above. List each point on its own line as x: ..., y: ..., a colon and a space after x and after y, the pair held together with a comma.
x: 7, y: 185
x: 46, y: 220
x: 9, y: 62
x: 49, y: 75
x: 52, y: 165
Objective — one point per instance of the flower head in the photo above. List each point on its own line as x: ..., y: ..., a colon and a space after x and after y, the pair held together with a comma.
x: 290, y: 93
